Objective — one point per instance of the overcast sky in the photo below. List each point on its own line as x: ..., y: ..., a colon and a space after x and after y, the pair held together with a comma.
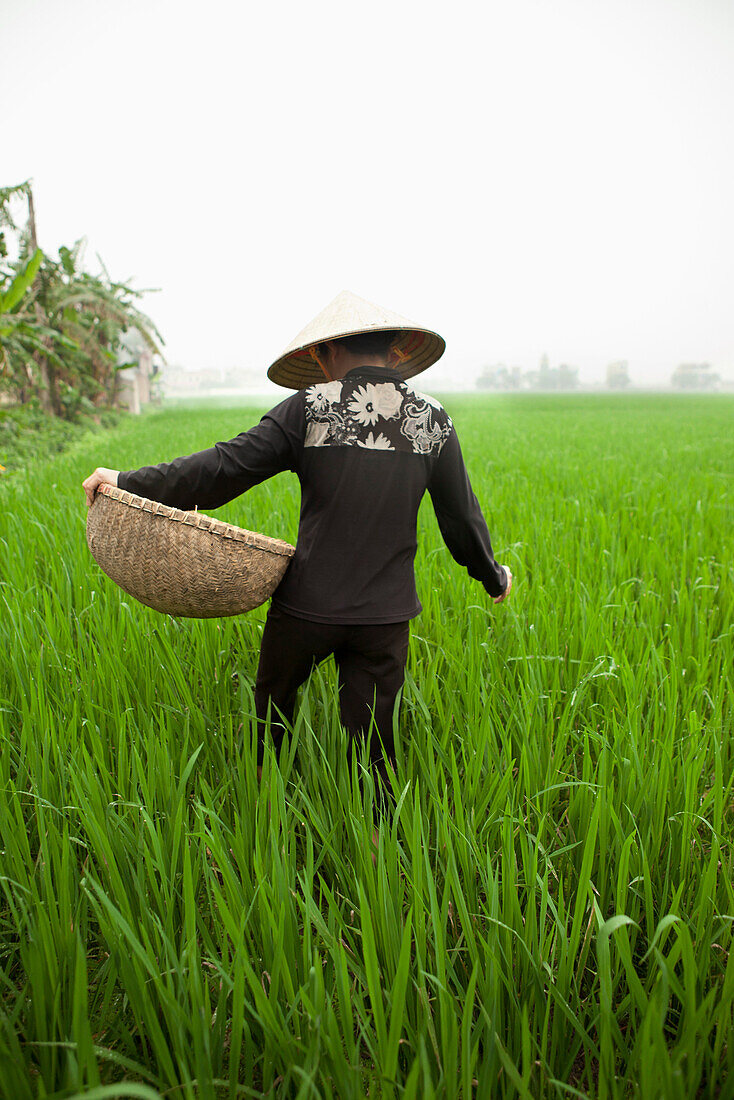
x: 523, y: 177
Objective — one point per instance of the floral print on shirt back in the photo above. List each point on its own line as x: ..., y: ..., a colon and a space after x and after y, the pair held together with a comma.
x: 380, y: 416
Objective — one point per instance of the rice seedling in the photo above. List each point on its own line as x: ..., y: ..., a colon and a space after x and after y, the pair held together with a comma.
x: 550, y: 910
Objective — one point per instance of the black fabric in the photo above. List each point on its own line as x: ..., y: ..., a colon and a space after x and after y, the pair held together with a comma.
x: 365, y: 449
x: 370, y: 661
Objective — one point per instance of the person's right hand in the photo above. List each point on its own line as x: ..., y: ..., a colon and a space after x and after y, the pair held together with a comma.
x: 101, y: 476
x: 505, y: 594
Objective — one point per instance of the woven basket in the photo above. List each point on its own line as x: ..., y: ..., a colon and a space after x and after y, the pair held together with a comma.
x: 182, y: 563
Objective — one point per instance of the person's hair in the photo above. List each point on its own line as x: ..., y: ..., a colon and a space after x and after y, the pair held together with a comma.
x: 366, y: 343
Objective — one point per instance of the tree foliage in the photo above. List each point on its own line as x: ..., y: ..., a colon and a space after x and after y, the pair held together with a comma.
x: 500, y: 377
x: 695, y: 376
x: 61, y: 328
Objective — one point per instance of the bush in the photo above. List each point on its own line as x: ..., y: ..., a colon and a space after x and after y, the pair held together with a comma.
x: 27, y: 434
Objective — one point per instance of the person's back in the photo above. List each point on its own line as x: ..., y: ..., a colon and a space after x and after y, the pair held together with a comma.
x: 365, y: 449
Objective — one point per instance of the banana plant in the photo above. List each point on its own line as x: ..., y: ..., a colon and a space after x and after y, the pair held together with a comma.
x: 12, y: 294
x: 20, y: 332
x: 60, y: 327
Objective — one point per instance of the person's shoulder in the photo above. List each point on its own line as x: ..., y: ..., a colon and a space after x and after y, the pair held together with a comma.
x: 287, y: 417
x: 423, y: 421
x: 418, y: 397
x: 287, y: 407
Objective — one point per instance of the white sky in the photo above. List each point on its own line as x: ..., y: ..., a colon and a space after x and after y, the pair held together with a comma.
x: 524, y: 177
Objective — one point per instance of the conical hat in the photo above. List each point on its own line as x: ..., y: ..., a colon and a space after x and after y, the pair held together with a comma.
x: 349, y: 315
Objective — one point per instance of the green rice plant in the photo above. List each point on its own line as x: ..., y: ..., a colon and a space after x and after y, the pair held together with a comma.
x: 550, y: 910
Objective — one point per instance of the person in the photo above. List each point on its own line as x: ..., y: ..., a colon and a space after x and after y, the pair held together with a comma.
x: 366, y: 446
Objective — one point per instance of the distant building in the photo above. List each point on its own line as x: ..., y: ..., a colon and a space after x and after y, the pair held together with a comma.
x: 135, y: 371
x: 618, y: 375
x: 177, y: 382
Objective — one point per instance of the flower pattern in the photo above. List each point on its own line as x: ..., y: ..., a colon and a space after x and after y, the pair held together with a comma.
x: 419, y: 427
x: 398, y: 417
x: 363, y: 405
x: 317, y: 433
x: 321, y: 396
x: 382, y: 443
x: 388, y: 399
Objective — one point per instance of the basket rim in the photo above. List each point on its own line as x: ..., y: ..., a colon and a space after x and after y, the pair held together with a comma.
x: 200, y: 521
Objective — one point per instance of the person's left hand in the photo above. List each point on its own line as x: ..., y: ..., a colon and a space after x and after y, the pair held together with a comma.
x: 505, y: 594
x: 101, y: 476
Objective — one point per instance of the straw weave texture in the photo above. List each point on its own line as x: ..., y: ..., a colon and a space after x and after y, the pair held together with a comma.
x: 349, y: 315
x: 298, y: 370
x: 182, y: 563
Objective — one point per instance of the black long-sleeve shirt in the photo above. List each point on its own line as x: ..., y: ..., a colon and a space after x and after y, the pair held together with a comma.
x: 365, y: 449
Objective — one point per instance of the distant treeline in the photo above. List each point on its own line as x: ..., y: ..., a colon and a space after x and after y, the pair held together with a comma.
x: 62, y: 330
x: 686, y: 376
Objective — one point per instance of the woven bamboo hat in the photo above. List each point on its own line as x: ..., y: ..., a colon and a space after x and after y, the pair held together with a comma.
x: 349, y: 315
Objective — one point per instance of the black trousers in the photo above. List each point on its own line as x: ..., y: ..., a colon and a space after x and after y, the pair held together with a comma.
x: 370, y: 661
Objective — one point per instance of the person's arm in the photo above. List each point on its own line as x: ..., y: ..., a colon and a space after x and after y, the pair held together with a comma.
x: 210, y: 478
x: 461, y: 522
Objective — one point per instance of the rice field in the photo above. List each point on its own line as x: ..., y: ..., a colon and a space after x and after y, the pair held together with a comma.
x: 550, y: 911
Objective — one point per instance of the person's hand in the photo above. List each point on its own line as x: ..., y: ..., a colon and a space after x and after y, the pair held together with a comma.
x: 101, y: 476
x: 505, y: 594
